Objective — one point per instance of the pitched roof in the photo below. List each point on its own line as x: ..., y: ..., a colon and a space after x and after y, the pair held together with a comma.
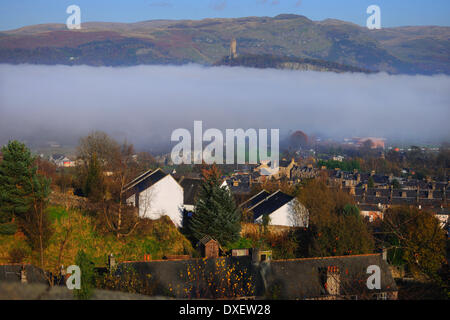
x: 368, y: 207
x: 255, y: 199
x: 268, y: 205
x: 57, y: 156
x: 144, y: 180
x: 205, y: 240
x: 300, y: 278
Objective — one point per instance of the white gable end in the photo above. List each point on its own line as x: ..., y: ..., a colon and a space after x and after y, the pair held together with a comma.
x: 287, y: 216
x: 165, y: 197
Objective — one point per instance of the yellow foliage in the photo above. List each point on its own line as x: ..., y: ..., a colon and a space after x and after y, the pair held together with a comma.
x: 75, y: 231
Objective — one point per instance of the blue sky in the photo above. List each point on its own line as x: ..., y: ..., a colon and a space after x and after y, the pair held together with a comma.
x: 18, y: 13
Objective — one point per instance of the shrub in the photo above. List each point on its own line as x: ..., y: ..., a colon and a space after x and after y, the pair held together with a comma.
x: 56, y: 213
x: 218, y: 281
x: 284, y: 245
x: 87, y: 276
x: 17, y: 255
x: 8, y: 228
x: 127, y: 280
x: 242, y: 243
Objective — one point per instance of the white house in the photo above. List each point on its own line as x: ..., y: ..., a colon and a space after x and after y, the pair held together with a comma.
x: 283, y: 209
x: 442, y: 215
x: 155, y: 194
x: 371, y: 212
x: 62, y: 161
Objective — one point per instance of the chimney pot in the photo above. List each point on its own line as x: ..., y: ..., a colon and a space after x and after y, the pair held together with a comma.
x: 23, y: 275
x: 384, y: 254
x: 111, y: 262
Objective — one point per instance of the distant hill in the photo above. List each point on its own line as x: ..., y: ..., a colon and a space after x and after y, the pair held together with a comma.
x: 410, y: 50
x: 291, y: 63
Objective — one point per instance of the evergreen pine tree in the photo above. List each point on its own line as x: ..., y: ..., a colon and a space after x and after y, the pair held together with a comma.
x: 15, y: 169
x: 216, y: 213
x: 24, y: 194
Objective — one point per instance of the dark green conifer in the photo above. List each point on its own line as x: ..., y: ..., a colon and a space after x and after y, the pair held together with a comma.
x: 216, y: 213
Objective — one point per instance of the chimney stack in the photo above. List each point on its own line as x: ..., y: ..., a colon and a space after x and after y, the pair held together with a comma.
x: 111, y: 262
x: 23, y: 275
x: 384, y: 254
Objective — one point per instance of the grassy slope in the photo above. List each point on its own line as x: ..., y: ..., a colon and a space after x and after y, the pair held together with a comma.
x: 163, y: 238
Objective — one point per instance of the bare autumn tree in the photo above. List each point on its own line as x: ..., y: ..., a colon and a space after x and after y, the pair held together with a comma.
x: 125, y: 168
x: 119, y: 219
x: 332, y: 231
x: 46, y: 169
x: 117, y: 164
x: 101, y: 144
x: 299, y: 214
x: 417, y: 238
x: 97, y: 149
x: 145, y: 161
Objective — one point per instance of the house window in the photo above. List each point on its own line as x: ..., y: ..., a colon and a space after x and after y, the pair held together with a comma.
x: 263, y: 257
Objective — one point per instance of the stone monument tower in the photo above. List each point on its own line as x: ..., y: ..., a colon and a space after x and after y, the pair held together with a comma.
x: 233, y: 46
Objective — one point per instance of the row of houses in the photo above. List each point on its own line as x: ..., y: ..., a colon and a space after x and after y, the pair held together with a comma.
x: 373, y: 201
x: 60, y: 160
x: 156, y: 193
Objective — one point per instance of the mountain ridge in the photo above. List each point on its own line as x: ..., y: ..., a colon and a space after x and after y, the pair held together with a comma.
x: 408, y: 50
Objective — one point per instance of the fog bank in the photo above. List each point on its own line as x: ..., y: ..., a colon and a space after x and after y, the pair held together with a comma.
x: 146, y: 103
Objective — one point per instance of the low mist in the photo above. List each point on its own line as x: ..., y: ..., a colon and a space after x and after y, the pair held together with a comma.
x: 144, y: 104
